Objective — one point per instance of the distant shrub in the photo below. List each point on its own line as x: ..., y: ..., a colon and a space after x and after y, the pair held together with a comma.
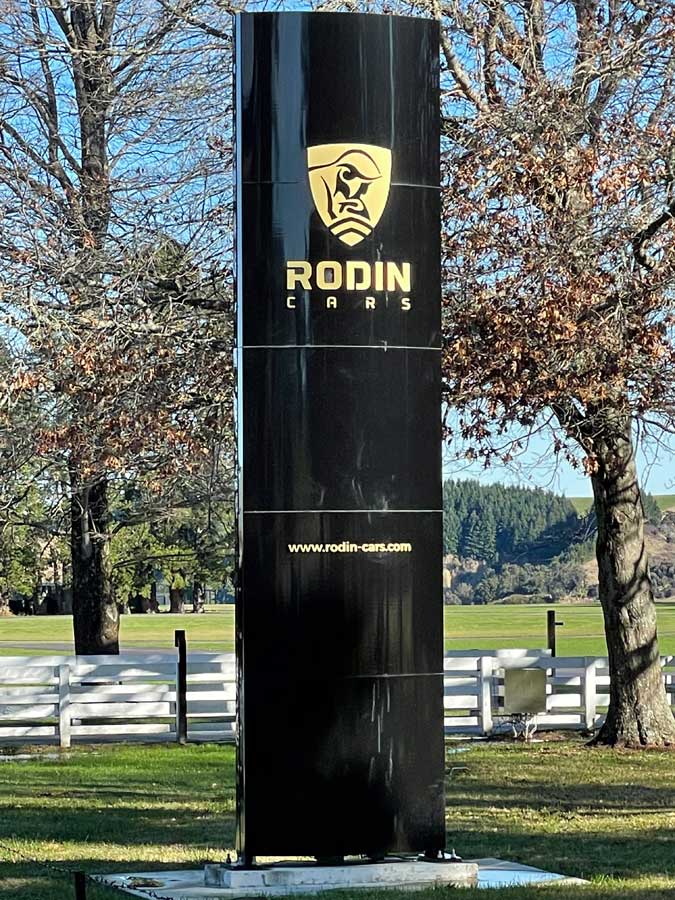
x: 524, y: 599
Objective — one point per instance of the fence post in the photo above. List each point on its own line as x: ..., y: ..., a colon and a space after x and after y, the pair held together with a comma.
x: 551, y: 626
x: 80, y: 885
x: 485, y: 693
x: 590, y: 693
x: 64, y: 707
x: 181, y: 688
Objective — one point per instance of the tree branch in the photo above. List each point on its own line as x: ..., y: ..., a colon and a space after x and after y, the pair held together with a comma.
x: 648, y: 233
x: 457, y: 70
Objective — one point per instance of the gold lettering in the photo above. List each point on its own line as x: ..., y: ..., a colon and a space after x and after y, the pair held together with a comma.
x: 353, y: 275
x: 301, y: 275
x: 370, y: 303
x: 329, y: 275
x: 398, y: 276
x: 379, y: 276
x: 354, y: 270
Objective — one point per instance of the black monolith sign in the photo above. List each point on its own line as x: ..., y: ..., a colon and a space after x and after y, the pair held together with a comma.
x: 339, y: 617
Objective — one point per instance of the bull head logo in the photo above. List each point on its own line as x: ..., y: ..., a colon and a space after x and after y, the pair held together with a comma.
x: 350, y: 187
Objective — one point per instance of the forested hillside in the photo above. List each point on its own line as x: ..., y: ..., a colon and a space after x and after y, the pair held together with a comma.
x: 520, y: 545
x: 499, y: 523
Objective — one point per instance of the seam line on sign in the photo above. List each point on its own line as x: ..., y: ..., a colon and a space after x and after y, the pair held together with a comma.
x: 395, y: 675
x: 434, y: 674
x: 382, y: 346
x: 248, y: 512
x: 410, y: 184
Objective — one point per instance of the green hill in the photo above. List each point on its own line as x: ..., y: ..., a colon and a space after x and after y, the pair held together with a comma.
x: 522, y: 545
x: 498, y: 523
x: 583, y: 504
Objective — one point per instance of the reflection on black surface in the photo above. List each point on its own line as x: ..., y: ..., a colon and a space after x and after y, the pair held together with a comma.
x: 358, y: 771
x: 342, y: 428
x: 339, y: 650
x: 282, y: 222
x: 346, y: 614
x: 333, y: 78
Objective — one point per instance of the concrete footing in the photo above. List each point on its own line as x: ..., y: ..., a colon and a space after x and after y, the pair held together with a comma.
x: 292, y: 879
x: 283, y: 879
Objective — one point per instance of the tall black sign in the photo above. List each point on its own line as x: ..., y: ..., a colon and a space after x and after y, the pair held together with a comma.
x: 339, y: 625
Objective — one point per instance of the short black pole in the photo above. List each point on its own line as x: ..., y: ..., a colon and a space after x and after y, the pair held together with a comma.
x: 551, y: 626
x: 181, y: 688
x: 80, y: 885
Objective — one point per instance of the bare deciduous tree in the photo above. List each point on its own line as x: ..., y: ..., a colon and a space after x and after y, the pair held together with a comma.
x: 115, y: 237
x: 559, y: 255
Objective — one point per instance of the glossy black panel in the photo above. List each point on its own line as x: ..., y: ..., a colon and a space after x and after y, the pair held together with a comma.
x: 341, y: 610
x: 330, y: 78
x: 281, y: 223
x: 339, y: 644
x: 360, y: 769
x: 341, y: 428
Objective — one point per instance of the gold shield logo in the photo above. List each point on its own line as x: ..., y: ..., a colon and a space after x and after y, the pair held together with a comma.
x: 350, y: 187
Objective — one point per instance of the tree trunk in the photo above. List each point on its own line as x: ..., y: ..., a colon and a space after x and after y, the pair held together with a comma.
x: 154, y: 604
x: 198, y: 596
x: 95, y: 613
x: 639, y: 712
x: 177, y: 600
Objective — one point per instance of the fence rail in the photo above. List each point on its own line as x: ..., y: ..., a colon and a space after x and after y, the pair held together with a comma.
x: 67, y: 699
x: 577, y: 689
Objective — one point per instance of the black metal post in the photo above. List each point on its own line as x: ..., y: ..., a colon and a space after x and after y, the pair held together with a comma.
x: 181, y: 688
x: 80, y: 885
x: 551, y: 626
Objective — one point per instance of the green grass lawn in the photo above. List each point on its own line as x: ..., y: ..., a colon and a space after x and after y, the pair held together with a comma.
x: 525, y: 626
x: 601, y: 815
x: 466, y: 627
x: 583, y: 504
x: 213, y: 630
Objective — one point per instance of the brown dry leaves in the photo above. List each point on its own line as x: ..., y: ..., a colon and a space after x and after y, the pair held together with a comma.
x: 548, y: 307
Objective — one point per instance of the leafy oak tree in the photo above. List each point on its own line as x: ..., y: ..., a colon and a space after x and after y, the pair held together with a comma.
x: 114, y: 237
x: 559, y: 261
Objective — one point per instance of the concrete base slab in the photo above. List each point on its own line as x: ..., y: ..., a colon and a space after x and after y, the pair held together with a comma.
x: 280, y: 879
x: 497, y: 873
x: 269, y: 880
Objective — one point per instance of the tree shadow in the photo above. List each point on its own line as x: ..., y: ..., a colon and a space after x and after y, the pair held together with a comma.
x: 124, y: 825
x: 583, y: 799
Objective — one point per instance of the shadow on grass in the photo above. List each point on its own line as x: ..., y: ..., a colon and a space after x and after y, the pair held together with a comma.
x: 564, y: 828
x: 23, y: 882
x: 181, y: 804
x: 591, y: 798
x: 120, y: 824
x: 589, y: 855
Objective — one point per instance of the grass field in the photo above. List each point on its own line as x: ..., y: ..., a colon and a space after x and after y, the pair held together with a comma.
x: 214, y: 630
x: 486, y: 627
x: 583, y: 504
x: 466, y: 627
x: 605, y: 816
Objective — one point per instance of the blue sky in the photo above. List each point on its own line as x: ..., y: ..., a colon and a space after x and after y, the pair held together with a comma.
x: 539, y: 468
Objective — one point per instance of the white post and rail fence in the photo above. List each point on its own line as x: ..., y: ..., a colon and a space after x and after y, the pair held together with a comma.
x: 149, y: 697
